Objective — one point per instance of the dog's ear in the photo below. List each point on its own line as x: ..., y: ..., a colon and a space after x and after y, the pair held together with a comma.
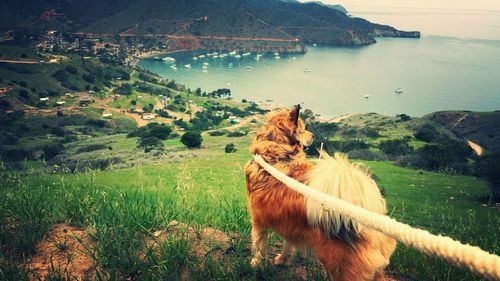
x: 294, y: 114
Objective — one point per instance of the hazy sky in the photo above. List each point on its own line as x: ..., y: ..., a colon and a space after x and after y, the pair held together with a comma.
x: 439, y: 4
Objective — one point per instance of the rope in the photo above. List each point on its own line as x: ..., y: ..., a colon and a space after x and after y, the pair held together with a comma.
x: 470, y: 257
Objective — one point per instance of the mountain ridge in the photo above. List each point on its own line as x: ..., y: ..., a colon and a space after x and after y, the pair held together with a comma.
x: 306, y: 22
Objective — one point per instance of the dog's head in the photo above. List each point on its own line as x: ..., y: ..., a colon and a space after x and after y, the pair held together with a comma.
x: 286, y: 128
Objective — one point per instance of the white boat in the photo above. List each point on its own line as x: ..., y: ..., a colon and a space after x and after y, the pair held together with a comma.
x: 277, y: 57
x: 237, y: 56
x: 248, y: 67
x: 230, y: 65
x: 366, y: 96
x: 215, y: 56
x: 168, y: 59
x: 294, y: 58
x: 187, y: 65
x: 398, y: 91
x: 205, y: 70
x: 232, y: 53
x: 205, y: 63
x: 201, y: 56
x: 246, y: 54
x: 195, y: 58
x: 307, y: 70
x: 276, y: 54
x: 315, y: 45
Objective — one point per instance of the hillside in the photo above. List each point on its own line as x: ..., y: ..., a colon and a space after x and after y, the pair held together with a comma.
x: 121, y: 210
x: 286, y: 21
x: 481, y: 127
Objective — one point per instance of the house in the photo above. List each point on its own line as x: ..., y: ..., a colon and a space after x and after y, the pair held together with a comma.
x: 107, y: 114
x: 44, y: 99
x: 85, y: 102
x: 219, y: 113
x: 4, y: 91
x: 148, y: 116
x: 60, y: 102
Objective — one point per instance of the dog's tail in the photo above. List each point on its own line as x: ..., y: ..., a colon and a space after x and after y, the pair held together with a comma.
x: 351, y: 182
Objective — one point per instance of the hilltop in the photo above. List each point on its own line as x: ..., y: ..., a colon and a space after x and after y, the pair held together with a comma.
x: 207, y: 22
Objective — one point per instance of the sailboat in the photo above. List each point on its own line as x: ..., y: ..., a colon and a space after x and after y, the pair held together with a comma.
x: 398, y: 91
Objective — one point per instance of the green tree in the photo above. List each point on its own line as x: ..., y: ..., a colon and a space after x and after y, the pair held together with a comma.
x: 192, y: 139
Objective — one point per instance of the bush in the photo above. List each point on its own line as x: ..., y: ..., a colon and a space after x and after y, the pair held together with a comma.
x: 235, y: 134
x: 217, y: 133
x: 124, y: 89
x: 366, y: 154
x: 403, y: 117
x: 89, y: 78
x: 488, y: 167
x: 160, y: 131
x: 395, y: 147
x: 349, y: 145
x: 230, y: 148
x: 71, y: 69
x: 60, y: 75
x: 58, y: 131
x: 92, y: 147
x: 148, y: 108
x: 192, y: 139
x: 427, y: 133
x: 151, y: 143
x: 450, y: 157
x: 370, y: 132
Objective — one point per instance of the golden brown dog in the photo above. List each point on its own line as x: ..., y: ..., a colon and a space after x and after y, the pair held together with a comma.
x: 347, y: 250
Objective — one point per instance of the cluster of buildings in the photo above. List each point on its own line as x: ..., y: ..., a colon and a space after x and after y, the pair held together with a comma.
x: 121, y: 49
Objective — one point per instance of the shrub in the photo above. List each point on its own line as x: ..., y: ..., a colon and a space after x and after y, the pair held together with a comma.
x: 71, y: 69
x: 370, y: 132
x: 160, y: 131
x: 235, y: 134
x: 349, y: 145
x: 58, y: 131
x: 192, y: 139
x: 395, y: 147
x: 217, y: 133
x: 60, y: 75
x: 92, y: 147
x: 230, y: 148
x: 23, y: 84
x: 488, y: 167
x: 427, y: 133
x: 151, y: 143
x: 89, y: 78
x: 403, y: 117
x: 366, y: 154
x: 148, y: 108
x: 124, y: 89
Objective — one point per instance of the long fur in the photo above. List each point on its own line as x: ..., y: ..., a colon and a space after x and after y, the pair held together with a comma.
x: 348, y: 251
x: 345, y: 180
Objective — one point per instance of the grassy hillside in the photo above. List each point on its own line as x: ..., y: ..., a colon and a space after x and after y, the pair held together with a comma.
x: 119, y: 208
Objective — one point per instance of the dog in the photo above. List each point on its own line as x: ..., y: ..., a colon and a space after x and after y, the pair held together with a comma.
x: 347, y: 250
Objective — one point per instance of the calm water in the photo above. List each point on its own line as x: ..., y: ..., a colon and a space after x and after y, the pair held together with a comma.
x: 435, y: 73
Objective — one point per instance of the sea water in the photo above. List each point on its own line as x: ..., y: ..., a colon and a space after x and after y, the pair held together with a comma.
x: 411, y: 76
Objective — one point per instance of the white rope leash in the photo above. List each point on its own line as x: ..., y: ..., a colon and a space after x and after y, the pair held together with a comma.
x: 473, y: 258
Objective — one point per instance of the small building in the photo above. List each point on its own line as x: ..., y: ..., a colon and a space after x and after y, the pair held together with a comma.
x: 71, y: 95
x: 148, y: 116
x: 85, y: 102
x: 44, y: 99
x: 107, y: 114
x: 235, y: 121
x: 4, y: 91
x: 219, y: 113
x: 60, y: 102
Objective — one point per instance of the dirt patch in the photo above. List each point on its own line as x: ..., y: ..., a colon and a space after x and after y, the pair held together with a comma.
x: 202, y: 242
x: 63, y: 251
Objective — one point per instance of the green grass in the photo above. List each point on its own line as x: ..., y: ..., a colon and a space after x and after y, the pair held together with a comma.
x: 206, y: 187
